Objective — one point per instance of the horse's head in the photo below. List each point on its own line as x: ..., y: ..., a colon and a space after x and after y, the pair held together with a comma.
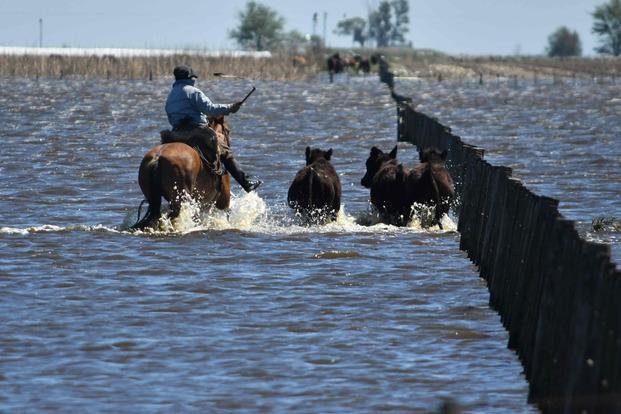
x: 374, y: 163
x: 220, y: 125
x: 316, y: 154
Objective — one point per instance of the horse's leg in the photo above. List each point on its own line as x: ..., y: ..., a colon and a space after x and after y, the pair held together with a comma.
x: 175, y: 209
x: 224, y: 198
x: 176, y: 200
x: 181, y: 190
x: 440, y: 211
x: 151, y: 217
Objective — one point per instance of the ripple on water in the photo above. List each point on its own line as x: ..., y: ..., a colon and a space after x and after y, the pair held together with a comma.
x: 354, y: 316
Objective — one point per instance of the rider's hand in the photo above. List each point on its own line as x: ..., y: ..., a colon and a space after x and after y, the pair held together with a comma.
x: 235, y: 107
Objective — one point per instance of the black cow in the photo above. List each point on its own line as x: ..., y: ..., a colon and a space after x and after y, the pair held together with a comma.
x: 315, y: 192
x: 395, y: 188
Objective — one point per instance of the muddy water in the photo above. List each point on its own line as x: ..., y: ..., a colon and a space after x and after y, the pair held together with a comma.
x: 250, y: 313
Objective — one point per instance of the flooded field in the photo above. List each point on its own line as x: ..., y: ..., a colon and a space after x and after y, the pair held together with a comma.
x: 257, y: 312
x: 563, y: 139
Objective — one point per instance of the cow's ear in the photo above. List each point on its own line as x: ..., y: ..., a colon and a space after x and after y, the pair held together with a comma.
x: 307, y: 154
x: 329, y: 154
x: 444, y: 155
x: 393, y: 153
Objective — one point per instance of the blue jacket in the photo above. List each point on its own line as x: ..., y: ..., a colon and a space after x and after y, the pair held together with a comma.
x: 187, y: 101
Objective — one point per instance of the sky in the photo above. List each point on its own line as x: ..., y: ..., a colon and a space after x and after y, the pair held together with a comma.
x: 458, y: 27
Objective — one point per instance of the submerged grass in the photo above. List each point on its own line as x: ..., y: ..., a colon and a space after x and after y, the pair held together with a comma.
x: 287, y: 66
x: 139, y: 67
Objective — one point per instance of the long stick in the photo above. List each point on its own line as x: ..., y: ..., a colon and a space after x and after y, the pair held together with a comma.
x: 224, y: 75
x: 249, y: 93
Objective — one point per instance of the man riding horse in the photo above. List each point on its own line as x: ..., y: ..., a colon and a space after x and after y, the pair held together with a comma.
x: 187, y: 108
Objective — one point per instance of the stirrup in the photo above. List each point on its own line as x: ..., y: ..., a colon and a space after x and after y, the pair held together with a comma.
x: 252, y: 185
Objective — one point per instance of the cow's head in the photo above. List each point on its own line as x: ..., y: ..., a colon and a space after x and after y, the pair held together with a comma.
x: 374, y: 163
x: 432, y: 155
x: 315, y: 154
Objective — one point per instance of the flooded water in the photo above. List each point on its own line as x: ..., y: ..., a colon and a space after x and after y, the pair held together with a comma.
x: 254, y: 312
x: 563, y: 139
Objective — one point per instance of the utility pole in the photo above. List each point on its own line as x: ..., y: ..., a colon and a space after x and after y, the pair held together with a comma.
x: 40, y: 32
x: 314, y: 24
x: 325, y: 18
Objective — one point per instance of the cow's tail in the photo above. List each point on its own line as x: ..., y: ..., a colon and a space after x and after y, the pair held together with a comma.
x: 436, y: 197
x: 311, y: 181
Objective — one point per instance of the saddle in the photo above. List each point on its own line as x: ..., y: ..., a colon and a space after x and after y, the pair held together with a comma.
x: 203, y: 140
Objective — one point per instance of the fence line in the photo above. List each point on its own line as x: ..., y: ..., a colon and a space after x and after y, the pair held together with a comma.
x: 557, y: 294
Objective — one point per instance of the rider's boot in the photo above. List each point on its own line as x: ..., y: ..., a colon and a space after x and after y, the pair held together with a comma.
x: 240, y: 176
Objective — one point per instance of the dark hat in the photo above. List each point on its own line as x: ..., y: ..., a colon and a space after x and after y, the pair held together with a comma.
x: 184, y: 72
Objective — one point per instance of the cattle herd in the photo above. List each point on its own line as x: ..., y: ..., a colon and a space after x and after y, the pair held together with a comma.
x: 396, y: 190
x: 338, y: 64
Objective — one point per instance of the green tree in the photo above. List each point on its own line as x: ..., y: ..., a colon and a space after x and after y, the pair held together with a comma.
x: 353, y: 26
x: 294, y: 42
x: 607, y: 26
x: 380, y: 25
x: 563, y: 42
x: 260, y: 27
x: 401, y: 9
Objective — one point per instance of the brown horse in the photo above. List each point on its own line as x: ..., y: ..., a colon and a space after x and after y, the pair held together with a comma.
x: 175, y: 171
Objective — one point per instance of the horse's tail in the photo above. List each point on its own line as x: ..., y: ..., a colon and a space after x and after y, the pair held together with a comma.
x: 144, y: 200
x: 149, y: 180
x: 155, y: 183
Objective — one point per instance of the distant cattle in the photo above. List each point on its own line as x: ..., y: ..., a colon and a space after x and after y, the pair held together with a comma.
x: 395, y: 189
x: 362, y: 64
x: 299, y: 61
x: 315, y: 192
x: 335, y: 65
x: 355, y: 63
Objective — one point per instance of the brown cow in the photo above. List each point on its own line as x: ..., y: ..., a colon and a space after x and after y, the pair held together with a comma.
x: 315, y: 192
x: 429, y: 183
x: 362, y: 64
x: 299, y: 61
x: 395, y: 189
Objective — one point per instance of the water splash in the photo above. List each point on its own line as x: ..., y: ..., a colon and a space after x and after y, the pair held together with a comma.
x: 249, y: 213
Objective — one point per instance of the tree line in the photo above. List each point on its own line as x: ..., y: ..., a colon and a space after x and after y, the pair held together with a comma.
x: 261, y: 28
x: 387, y: 25
x: 606, y: 25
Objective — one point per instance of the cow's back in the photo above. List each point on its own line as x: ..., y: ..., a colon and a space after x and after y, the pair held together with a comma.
x: 315, y: 187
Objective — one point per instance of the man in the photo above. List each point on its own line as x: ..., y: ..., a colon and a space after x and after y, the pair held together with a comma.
x: 187, y: 108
